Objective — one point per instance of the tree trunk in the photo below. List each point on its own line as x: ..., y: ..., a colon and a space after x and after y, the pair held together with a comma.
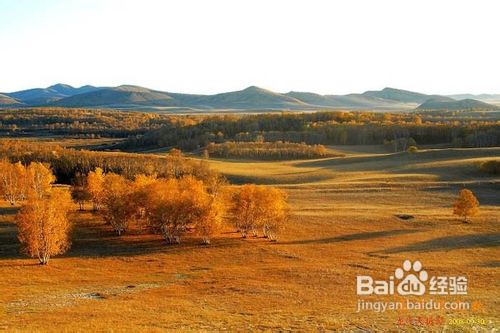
x: 44, y: 260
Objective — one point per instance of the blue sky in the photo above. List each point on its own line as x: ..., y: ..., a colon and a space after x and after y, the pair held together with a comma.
x: 201, y: 46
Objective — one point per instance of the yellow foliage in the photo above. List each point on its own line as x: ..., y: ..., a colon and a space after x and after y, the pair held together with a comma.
x: 466, y: 205
x: 118, y: 208
x: 43, y: 226
x: 95, y: 187
x: 40, y: 180
x: 262, y: 207
x: 174, y: 205
x: 13, y: 181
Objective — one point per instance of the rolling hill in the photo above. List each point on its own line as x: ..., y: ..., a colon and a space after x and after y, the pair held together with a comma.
x: 43, y: 96
x: 8, y: 101
x: 251, y: 98
x: 385, y: 98
x: 398, y: 95
x: 361, y: 101
x: 116, y: 97
x: 464, y: 104
x: 315, y: 99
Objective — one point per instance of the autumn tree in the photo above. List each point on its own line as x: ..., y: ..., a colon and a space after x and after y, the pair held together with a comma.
x: 244, y: 209
x: 12, y: 181
x: 78, y: 190
x: 40, y: 179
x: 259, y: 207
x: 95, y: 187
x: 466, y: 205
x: 175, y: 163
x: 167, y: 209
x: 208, y: 220
x: 43, y: 225
x: 118, y: 208
x: 206, y: 209
x: 272, y: 212
x: 141, y: 186
x: 176, y: 205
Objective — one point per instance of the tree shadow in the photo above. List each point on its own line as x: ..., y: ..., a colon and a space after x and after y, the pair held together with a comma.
x: 8, y: 210
x: 490, y: 264
x: 450, y: 243
x: 353, y: 237
x: 97, y: 240
x: 106, y: 243
x: 9, y: 244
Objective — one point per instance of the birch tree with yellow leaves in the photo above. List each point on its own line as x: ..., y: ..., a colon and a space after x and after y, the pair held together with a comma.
x: 43, y: 226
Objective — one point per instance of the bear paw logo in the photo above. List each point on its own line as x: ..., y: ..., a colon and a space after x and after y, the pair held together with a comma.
x: 413, y: 282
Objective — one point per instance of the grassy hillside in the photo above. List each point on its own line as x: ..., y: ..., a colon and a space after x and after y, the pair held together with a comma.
x: 344, y: 223
x: 377, y: 168
x: 43, y: 96
x: 465, y: 104
x: 122, y: 95
x: 399, y: 95
x: 253, y: 97
x: 6, y: 100
x: 315, y: 99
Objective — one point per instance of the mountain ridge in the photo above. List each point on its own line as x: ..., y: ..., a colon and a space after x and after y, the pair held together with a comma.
x: 43, y: 96
x: 250, y: 98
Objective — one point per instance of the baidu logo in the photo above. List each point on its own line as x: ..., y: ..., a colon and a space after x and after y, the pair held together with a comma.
x: 411, y: 279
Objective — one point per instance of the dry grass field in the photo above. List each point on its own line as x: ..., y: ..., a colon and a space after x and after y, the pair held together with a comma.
x: 343, y: 224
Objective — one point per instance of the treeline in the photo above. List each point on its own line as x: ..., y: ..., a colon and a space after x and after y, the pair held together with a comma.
x: 189, y: 132
x: 173, y: 207
x: 19, y: 182
x: 170, y: 207
x: 267, y: 150
x: 67, y: 163
x: 326, y: 128
x: 79, y: 122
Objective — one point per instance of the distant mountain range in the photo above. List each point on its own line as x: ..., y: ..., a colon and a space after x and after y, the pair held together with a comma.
x: 251, y: 98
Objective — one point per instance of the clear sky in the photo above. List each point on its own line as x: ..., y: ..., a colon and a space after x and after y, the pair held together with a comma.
x: 201, y: 46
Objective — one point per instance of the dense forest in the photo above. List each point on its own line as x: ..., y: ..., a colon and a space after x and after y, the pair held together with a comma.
x: 326, y: 128
x: 190, y: 132
x: 267, y: 150
x: 67, y: 163
x: 77, y: 122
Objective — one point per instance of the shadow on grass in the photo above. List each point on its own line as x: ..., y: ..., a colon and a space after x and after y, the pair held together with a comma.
x: 450, y: 243
x: 96, y: 239
x: 9, y: 245
x: 490, y: 264
x: 8, y: 210
x: 353, y: 237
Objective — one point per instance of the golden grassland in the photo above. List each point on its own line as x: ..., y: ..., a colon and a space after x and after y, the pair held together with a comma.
x: 343, y: 224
